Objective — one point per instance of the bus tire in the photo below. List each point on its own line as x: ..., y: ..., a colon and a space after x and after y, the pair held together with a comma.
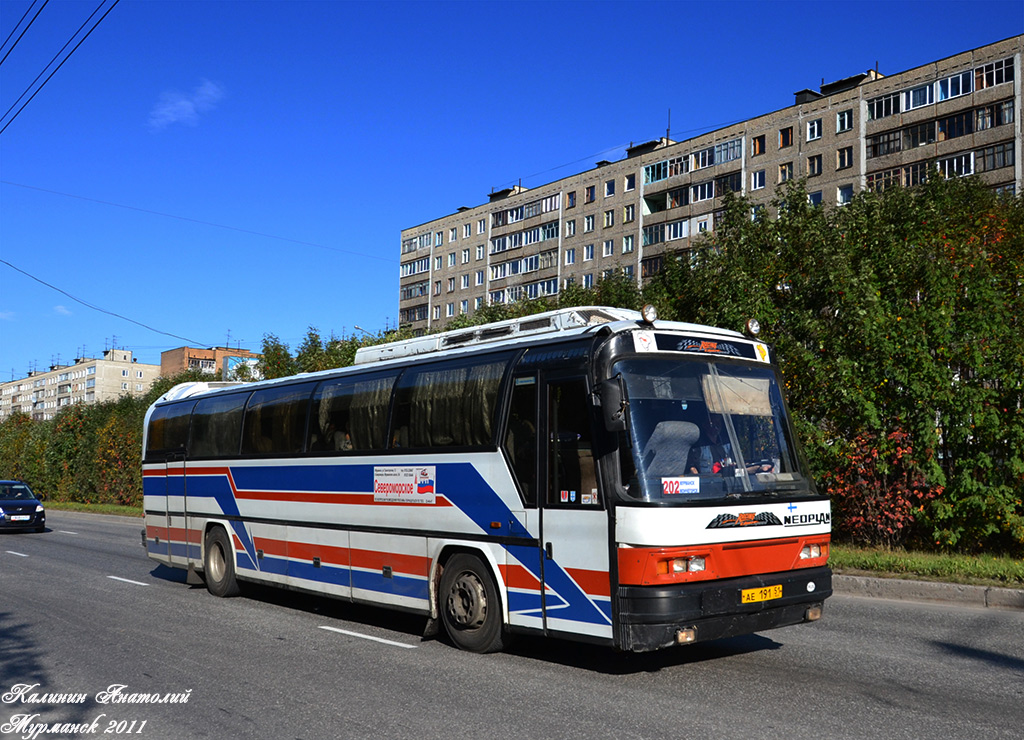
x: 219, y: 564
x: 470, y: 607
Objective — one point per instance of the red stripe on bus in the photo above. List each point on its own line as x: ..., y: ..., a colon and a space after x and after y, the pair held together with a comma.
x: 640, y: 565
x: 415, y: 565
x: 593, y: 582
x: 516, y: 576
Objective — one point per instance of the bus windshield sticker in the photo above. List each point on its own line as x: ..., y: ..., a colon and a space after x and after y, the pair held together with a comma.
x: 680, y: 486
x: 404, y: 484
x: 643, y: 341
x: 761, y: 351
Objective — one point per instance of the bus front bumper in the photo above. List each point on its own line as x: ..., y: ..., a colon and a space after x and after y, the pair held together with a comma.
x: 653, y: 617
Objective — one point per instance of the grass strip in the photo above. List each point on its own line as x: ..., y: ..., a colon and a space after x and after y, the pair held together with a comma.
x: 981, y: 570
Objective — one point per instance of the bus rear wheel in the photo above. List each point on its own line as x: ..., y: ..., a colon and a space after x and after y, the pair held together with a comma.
x: 470, y: 607
x: 219, y: 564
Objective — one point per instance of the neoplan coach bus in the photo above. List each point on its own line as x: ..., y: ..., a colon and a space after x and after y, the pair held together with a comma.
x: 587, y: 473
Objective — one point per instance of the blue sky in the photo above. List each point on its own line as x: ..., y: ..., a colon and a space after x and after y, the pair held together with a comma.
x: 218, y: 171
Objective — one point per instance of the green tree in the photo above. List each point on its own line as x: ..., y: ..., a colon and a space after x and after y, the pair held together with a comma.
x: 276, y: 360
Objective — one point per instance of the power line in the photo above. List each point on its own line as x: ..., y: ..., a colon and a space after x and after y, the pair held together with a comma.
x: 198, y: 221
x: 27, y: 11
x: 103, y: 310
x: 88, y: 33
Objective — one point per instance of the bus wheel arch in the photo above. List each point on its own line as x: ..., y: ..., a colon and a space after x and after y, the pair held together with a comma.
x: 469, y: 603
x: 219, y: 562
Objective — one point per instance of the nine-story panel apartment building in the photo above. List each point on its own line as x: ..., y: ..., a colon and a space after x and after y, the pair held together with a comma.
x: 954, y: 117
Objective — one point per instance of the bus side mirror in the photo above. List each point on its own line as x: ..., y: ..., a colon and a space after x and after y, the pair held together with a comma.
x: 613, y: 404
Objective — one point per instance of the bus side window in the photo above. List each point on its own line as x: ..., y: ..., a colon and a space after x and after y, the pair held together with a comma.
x: 275, y: 420
x: 572, y: 478
x: 520, y: 442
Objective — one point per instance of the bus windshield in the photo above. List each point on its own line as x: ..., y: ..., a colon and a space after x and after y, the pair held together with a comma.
x: 703, y: 430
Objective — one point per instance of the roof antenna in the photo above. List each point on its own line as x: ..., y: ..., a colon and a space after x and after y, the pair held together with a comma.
x: 668, y: 129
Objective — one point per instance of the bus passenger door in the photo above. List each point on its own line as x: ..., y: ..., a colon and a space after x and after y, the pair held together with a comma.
x: 176, y: 523
x: 574, y: 521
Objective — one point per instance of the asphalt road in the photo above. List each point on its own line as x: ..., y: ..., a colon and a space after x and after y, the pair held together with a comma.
x: 83, y: 610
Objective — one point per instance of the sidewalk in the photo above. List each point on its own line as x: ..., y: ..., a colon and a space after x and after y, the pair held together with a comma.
x: 955, y: 593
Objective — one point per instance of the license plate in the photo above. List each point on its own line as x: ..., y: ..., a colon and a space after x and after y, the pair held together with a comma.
x: 765, y: 593
x: 20, y: 518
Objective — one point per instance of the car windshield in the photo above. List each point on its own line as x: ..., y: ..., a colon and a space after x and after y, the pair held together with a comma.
x: 705, y: 430
x: 15, y: 492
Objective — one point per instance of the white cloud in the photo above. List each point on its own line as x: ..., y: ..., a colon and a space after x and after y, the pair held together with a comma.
x: 6, y: 315
x: 61, y: 311
x: 176, y: 107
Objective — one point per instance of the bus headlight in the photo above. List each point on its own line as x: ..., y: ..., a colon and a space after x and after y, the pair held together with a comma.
x: 809, y: 552
x: 686, y: 565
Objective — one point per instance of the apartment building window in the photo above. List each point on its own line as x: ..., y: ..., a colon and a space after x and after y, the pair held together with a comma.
x: 628, y: 241
x: 588, y: 252
x: 609, y: 218
x: 954, y: 126
x: 844, y: 194
x: 844, y: 158
x: 704, y: 158
x: 609, y: 188
x: 814, y: 165
x: 955, y: 86
x: 679, y: 165
x: 814, y: 198
x: 124, y: 373
x: 733, y: 182
x: 814, y: 130
x: 438, y: 238
x: 479, y: 277
x: 588, y: 280
x: 785, y: 172
x: 702, y: 191
x: 996, y: 73
x: 138, y: 386
x: 451, y: 259
x: 451, y: 284
x: 628, y: 213
x: 465, y: 256
x: 757, y: 145
x: 588, y: 223
x: 993, y: 115
x: 437, y: 313
x: 956, y: 166
x: 570, y: 256
x: 591, y: 194
x: 453, y: 234
x: 138, y: 373
x: 467, y: 231
x: 570, y: 227
x: 437, y: 288
x: 630, y: 182
x: 994, y: 157
x: 570, y: 199
x: 883, y: 106
x: 479, y: 251
x: 677, y: 229
x: 757, y: 180
x: 124, y: 386
x: 481, y: 226
x: 678, y: 197
x: 844, y: 121
x: 886, y: 143
x: 915, y: 136
x: 438, y: 262
x: 918, y: 97
x: 609, y: 248
x: 728, y: 151
x: 449, y: 310
x: 655, y: 172
x: 653, y: 234
x: 478, y: 302
x: 464, y: 306
x: 465, y: 281
x: 785, y: 137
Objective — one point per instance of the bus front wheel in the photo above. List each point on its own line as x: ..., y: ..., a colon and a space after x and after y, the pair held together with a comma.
x: 219, y: 564
x: 470, y: 607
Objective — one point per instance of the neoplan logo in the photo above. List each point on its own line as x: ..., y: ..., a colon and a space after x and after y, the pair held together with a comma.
x: 807, y: 520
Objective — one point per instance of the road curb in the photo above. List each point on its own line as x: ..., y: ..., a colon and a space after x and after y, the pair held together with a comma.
x: 954, y: 593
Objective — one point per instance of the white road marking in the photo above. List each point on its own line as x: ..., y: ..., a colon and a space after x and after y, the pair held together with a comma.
x: 19, y: 554
x: 64, y: 531
x: 127, y: 580
x: 367, y: 637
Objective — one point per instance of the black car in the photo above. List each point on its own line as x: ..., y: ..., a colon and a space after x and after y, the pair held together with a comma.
x: 19, y: 507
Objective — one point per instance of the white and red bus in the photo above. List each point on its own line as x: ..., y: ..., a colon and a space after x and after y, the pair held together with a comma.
x: 585, y: 473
